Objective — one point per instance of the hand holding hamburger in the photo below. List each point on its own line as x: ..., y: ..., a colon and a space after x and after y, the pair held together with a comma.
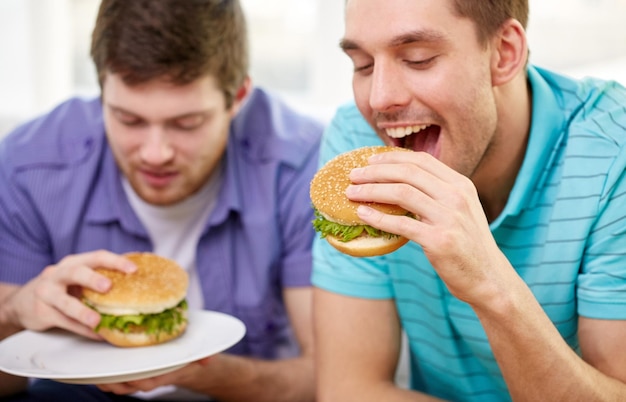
x: 146, y: 307
x: 336, y: 216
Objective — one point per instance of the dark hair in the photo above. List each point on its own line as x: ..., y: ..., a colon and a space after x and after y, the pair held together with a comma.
x: 489, y: 15
x: 180, y: 40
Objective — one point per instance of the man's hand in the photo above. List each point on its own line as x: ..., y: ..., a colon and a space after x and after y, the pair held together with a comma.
x: 184, y: 376
x: 52, y: 299
x: 228, y: 377
x: 452, y: 227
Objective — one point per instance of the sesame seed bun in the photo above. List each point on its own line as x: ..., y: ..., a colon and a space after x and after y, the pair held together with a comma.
x: 327, y: 192
x: 158, y: 284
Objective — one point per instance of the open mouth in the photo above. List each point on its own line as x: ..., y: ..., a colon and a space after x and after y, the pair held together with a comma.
x: 417, y: 138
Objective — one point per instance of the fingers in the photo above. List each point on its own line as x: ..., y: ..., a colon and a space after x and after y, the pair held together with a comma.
x: 417, y: 169
x: 179, y: 377
x: 118, y: 389
x: 401, y: 225
x: 415, y: 181
x: 204, y: 362
x: 426, y: 162
x: 78, y: 270
x: 52, y: 298
x: 402, y: 194
x: 441, y: 197
x: 62, y: 320
x: 99, y: 259
x: 147, y: 384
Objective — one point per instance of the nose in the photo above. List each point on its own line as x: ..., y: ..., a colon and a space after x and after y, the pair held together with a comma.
x: 156, y: 149
x: 388, y: 89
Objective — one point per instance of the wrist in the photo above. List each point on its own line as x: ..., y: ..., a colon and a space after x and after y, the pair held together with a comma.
x: 8, y: 323
x: 9, y: 319
x: 503, y: 294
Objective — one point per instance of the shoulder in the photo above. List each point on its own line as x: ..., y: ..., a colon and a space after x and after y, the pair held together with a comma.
x: 594, y: 109
x: 589, y: 118
x: 602, y: 110
x: 64, y: 136
x: 267, y: 128
x: 594, y: 137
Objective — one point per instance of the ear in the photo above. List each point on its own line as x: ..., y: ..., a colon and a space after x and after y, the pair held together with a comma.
x: 242, y: 93
x: 510, y: 52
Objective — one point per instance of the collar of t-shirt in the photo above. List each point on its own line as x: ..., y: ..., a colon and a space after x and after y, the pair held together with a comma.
x: 546, y: 126
x: 175, y: 229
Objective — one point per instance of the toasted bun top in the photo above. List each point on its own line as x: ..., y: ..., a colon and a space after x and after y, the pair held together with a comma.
x: 157, y: 284
x: 329, y: 184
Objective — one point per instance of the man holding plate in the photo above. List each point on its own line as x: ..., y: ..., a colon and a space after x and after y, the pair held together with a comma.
x: 182, y: 157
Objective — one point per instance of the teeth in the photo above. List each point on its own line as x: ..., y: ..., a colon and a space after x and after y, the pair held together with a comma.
x: 400, y: 132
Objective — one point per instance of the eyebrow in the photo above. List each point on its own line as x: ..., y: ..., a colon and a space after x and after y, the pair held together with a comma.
x: 182, y: 116
x: 418, y: 36
x: 120, y: 109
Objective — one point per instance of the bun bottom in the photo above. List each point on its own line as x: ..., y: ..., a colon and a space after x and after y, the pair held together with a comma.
x: 367, y: 246
x: 133, y: 339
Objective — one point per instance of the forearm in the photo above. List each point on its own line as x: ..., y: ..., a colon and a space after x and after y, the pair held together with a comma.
x: 371, y: 392
x: 8, y: 326
x: 11, y: 385
x: 358, y: 345
x: 234, y: 378
x: 537, y: 364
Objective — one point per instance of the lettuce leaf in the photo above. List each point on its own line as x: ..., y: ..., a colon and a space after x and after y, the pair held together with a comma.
x: 343, y: 232
x: 165, y: 321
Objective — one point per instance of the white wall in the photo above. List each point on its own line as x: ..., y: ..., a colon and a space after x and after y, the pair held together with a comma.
x: 35, y: 61
x: 580, y: 37
x: 44, y: 49
x: 295, y: 49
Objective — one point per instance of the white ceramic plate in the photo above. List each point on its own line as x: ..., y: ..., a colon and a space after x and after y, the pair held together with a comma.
x: 65, y: 357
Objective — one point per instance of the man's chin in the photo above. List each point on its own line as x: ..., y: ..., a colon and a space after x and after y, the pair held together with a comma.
x: 162, y: 200
x: 159, y: 197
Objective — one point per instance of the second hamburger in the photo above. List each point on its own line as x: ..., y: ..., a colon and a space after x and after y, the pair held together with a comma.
x: 336, y: 216
x: 146, y: 307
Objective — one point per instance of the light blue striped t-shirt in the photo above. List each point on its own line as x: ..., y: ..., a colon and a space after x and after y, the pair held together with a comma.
x: 563, y: 229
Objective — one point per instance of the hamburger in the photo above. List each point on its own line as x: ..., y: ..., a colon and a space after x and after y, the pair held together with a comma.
x: 335, y: 215
x: 146, y: 307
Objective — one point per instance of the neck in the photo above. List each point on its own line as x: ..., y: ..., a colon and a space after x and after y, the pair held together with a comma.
x: 495, y: 176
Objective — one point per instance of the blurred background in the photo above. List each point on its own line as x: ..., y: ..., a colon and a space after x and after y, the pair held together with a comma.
x: 44, y: 49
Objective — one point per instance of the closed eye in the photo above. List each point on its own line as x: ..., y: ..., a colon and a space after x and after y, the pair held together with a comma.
x: 129, y: 119
x: 421, y: 63
x: 361, y: 69
x: 188, y: 123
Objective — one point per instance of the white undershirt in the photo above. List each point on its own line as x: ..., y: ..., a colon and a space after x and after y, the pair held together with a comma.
x: 175, y: 231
